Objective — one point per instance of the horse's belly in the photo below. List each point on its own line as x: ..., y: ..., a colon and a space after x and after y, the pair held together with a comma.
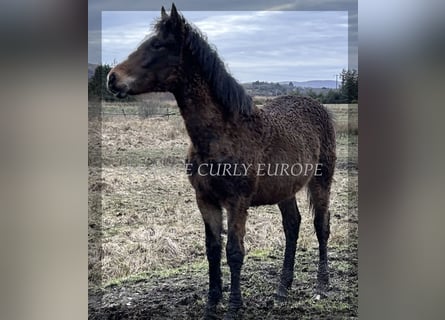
x: 271, y: 190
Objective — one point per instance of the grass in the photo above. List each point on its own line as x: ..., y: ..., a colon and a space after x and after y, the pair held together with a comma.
x: 346, y: 118
x: 147, y: 221
x: 198, y: 266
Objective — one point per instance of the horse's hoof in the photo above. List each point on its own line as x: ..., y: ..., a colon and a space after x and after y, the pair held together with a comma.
x: 210, y: 312
x: 232, y: 315
x: 210, y: 315
x: 321, y: 292
x: 280, y: 298
x: 234, y: 312
x: 322, y: 287
x: 281, y: 294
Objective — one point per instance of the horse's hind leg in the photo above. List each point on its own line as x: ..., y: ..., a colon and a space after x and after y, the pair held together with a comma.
x: 291, y: 224
x: 212, y: 216
x: 319, y: 193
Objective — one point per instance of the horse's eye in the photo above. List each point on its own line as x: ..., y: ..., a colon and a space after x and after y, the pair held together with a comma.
x: 157, y: 45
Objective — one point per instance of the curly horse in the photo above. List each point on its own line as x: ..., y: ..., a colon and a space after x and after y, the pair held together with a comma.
x: 227, y: 130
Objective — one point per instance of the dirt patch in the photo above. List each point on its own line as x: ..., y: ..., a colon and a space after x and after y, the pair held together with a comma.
x: 182, y: 295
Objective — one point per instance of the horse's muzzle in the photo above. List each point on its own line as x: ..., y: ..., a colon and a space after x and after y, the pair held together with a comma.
x: 114, y: 88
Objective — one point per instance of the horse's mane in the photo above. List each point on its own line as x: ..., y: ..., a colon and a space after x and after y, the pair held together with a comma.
x: 230, y: 95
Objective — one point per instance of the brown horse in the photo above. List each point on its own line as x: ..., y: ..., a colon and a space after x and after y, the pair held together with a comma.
x: 236, y: 148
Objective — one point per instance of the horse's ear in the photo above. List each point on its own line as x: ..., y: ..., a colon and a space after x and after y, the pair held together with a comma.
x: 173, y: 11
x: 163, y: 13
x: 174, y: 15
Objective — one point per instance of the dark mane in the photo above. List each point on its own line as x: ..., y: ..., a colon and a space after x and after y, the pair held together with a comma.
x: 230, y: 95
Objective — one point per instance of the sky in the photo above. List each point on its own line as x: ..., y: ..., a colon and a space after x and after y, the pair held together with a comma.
x: 255, y: 45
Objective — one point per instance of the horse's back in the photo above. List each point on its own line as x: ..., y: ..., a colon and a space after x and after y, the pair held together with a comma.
x: 298, y: 110
x: 302, y: 127
x: 300, y: 117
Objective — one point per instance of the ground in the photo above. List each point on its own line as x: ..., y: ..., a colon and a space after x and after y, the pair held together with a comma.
x: 147, y: 254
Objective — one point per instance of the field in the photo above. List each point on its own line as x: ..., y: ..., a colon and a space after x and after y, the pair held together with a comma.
x: 147, y: 250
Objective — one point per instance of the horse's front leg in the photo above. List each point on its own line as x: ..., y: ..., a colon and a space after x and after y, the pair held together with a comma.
x: 212, y: 215
x: 235, y: 255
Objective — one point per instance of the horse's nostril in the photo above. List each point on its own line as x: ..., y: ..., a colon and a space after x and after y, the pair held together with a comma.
x: 111, y: 78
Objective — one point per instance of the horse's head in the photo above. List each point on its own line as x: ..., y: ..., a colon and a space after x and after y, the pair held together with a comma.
x: 155, y: 65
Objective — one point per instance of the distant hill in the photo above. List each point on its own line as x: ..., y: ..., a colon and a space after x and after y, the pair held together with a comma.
x: 91, y: 68
x: 311, y: 84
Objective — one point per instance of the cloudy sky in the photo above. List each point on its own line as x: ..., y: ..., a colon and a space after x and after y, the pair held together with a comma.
x: 255, y: 45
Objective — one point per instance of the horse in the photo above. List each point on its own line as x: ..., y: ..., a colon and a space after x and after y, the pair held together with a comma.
x: 228, y: 130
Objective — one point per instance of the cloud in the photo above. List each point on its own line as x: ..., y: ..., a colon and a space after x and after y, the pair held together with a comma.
x: 256, y: 45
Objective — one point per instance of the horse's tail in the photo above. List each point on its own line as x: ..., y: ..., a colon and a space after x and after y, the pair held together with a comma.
x: 320, y: 184
x: 319, y: 188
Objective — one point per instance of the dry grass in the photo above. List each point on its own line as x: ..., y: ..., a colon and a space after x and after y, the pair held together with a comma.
x: 147, y: 218
x: 346, y: 118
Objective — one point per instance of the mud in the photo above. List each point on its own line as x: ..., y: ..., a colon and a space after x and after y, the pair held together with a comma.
x: 181, y: 295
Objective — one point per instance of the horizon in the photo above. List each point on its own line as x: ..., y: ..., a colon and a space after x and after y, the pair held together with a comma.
x: 246, y: 82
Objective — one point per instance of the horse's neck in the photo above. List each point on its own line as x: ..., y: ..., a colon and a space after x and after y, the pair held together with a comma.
x: 204, y: 119
x: 195, y: 102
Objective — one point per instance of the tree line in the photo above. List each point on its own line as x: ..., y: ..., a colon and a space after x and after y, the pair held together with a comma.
x: 97, y: 86
x: 347, y: 93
